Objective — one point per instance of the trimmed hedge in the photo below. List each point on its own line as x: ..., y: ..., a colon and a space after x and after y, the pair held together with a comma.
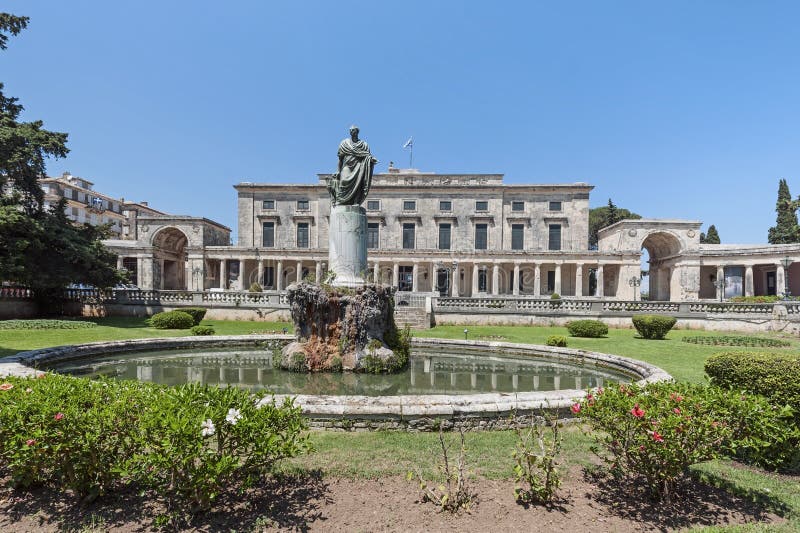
x: 171, y: 320
x: 737, y: 340
x: 46, y: 324
x: 587, y: 328
x: 653, y: 327
x: 556, y: 340
x: 197, y: 313
x: 202, y: 330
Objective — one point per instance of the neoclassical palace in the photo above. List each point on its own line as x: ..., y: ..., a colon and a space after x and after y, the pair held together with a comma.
x: 454, y: 235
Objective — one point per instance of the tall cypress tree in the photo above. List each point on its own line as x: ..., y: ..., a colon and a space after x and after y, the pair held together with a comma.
x: 712, y: 237
x: 786, y: 229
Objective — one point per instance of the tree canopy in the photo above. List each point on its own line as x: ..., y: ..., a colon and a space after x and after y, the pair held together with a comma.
x: 601, y: 217
x: 712, y: 237
x: 786, y: 229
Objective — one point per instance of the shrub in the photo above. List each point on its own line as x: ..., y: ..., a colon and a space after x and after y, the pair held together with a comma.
x: 197, y: 313
x: 455, y: 493
x: 556, y: 340
x: 46, y: 324
x: 555, y: 296
x: 255, y: 287
x: 536, y: 452
x: 171, y: 320
x: 297, y: 362
x: 654, y: 433
x: 587, y: 328
x: 653, y: 327
x: 737, y: 340
x: 202, y: 330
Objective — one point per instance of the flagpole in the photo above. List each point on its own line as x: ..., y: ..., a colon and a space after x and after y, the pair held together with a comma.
x: 411, y: 156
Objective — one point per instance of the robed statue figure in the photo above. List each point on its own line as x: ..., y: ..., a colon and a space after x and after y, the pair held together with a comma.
x: 350, y: 184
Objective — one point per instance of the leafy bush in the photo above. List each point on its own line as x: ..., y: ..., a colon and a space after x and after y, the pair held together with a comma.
x: 297, y: 362
x: 202, y: 330
x: 171, y: 320
x: 587, y: 328
x: 255, y: 287
x: 536, y: 452
x: 92, y: 436
x: 455, y: 493
x: 46, y: 324
x: 654, y: 433
x: 556, y: 340
x: 737, y: 340
x: 555, y: 296
x: 197, y: 313
x: 653, y: 327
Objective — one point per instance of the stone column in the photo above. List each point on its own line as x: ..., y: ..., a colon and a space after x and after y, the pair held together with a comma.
x: 161, y: 274
x: 119, y: 262
x: 299, y: 267
x: 223, y: 274
x: 376, y: 273
x: 557, y: 288
x: 599, y: 292
x: 475, y: 279
x: 347, y: 251
x: 279, y: 276
x: 579, y: 280
x: 454, y: 281
x: 395, y: 275
x: 495, y: 279
x: 515, y: 291
x: 780, y: 279
x: 260, y: 272
x: 537, y: 280
x: 318, y: 271
x: 415, y: 278
x: 721, y: 276
x: 748, y: 280
x: 241, y: 286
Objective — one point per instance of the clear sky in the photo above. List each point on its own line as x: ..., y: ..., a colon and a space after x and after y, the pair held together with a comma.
x: 673, y: 109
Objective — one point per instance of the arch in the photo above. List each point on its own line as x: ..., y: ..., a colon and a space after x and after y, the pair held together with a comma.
x: 169, y: 251
x: 661, y: 246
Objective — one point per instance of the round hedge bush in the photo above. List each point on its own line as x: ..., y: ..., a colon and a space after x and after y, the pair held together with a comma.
x: 556, y: 340
x: 46, y: 324
x: 197, y: 313
x: 587, y: 328
x: 171, y: 320
x: 202, y: 330
x: 653, y: 327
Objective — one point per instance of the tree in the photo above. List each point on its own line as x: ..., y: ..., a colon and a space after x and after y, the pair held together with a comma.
x: 41, y: 249
x: 601, y: 217
x: 712, y: 237
x: 786, y: 229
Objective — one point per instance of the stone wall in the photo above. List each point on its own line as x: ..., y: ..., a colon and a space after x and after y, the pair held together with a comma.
x: 10, y: 309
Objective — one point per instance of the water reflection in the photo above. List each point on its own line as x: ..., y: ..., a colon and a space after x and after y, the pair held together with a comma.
x: 428, y: 373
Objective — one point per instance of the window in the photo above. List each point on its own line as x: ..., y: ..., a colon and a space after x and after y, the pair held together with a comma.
x: 302, y: 205
x: 269, y: 277
x: 481, y: 205
x: 551, y: 280
x: 131, y: 265
x: 482, y: 279
x: 555, y: 206
x: 373, y: 205
x: 268, y: 235
x: 517, y: 237
x: 554, y: 241
x: 444, y: 236
x: 445, y: 205
x: 302, y: 235
x: 406, y: 281
x: 409, y: 205
x: 409, y: 230
x: 373, y: 235
x: 518, y: 206
x: 481, y: 237
x: 268, y: 204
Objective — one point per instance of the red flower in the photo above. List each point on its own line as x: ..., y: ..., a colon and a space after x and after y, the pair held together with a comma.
x: 59, y: 416
x: 675, y: 397
x: 641, y: 448
x: 637, y: 411
x: 676, y: 411
x: 6, y: 386
x: 657, y: 437
x: 576, y: 408
x: 30, y: 442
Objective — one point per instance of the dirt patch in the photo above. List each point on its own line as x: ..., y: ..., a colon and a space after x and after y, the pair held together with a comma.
x: 312, y: 503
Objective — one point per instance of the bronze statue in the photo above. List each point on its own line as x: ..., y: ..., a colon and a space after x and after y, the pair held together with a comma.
x: 350, y: 185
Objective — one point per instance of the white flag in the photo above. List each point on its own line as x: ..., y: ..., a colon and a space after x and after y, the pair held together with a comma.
x: 409, y: 143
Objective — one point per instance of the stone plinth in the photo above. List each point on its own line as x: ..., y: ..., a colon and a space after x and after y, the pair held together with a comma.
x: 347, y: 253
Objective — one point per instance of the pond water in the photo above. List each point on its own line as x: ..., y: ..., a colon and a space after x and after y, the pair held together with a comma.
x: 428, y: 373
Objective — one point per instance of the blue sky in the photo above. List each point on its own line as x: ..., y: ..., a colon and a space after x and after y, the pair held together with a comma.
x: 674, y: 110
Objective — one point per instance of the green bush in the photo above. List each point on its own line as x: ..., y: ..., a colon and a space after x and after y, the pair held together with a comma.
x: 46, y: 324
x: 654, y: 433
x: 255, y: 287
x: 587, y: 328
x: 556, y: 340
x: 202, y: 330
x: 653, y: 326
x: 737, y: 340
x: 197, y: 313
x: 555, y: 296
x: 171, y: 320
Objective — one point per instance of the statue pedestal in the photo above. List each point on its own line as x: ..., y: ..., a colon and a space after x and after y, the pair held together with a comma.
x: 348, y: 245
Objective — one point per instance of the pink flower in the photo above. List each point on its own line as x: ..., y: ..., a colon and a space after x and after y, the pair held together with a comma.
x: 675, y: 397
x: 637, y: 411
x: 676, y: 411
x: 30, y: 442
x: 657, y: 437
x: 59, y: 416
x: 6, y: 386
x: 576, y: 408
x: 641, y: 448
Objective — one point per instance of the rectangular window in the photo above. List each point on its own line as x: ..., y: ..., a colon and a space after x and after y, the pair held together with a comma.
x: 409, y: 229
x: 482, y: 280
x: 444, y: 236
x: 406, y: 281
x: 551, y: 280
x: 302, y: 205
x: 518, y: 206
x: 554, y: 240
x: 131, y: 265
x: 268, y: 204
x: 268, y: 235
x: 302, y: 235
x: 269, y: 278
x: 445, y: 205
x: 409, y: 205
x: 517, y: 237
x: 481, y: 236
x: 481, y: 205
x: 555, y: 206
x: 373, y: 205
x: 373, y: 235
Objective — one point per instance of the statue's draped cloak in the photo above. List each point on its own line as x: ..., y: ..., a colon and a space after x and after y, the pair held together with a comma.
x: 356, y: 174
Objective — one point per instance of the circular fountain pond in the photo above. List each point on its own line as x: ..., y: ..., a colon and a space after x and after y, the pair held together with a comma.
x: 448, y: 381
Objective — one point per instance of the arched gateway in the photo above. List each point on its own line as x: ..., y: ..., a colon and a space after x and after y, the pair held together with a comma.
x: 169, y: 254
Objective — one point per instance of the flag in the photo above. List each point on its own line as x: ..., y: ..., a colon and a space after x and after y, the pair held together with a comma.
x: 409, y: 143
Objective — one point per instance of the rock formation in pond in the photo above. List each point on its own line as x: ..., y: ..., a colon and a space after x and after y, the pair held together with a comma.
x: 344, y: 329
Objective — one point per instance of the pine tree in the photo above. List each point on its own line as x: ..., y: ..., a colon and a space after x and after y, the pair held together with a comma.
x: 786, y: 229
x: 612, y: 216
x: 712, y: 237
